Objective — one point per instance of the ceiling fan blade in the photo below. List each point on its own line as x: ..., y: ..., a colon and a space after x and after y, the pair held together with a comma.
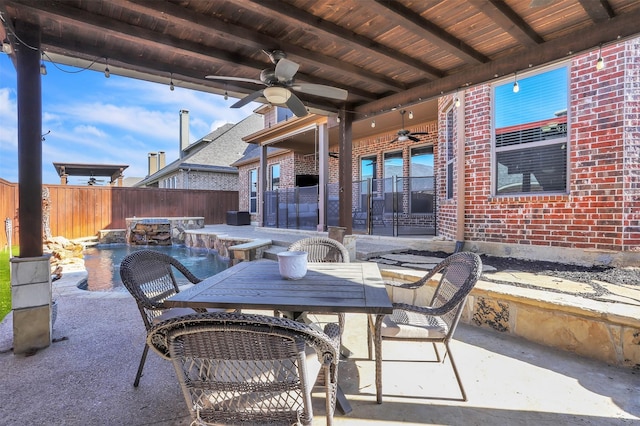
x: 321, y: 90
x: 230, y: 78
x: 251, y: 97
x: 413, y: 138
x: 420, y: 133
x: 296, y: 106
x: 286, y: 69
x: 394, y: 140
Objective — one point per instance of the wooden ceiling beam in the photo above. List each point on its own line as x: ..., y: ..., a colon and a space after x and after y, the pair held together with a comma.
x: 508, y: 20
x: 598, y: 11
x: 412, y: 21
x: 584, y: 39
x: 79, y: 52
x: 158, y: 41
x: 259, y: 41
x: 341, y: 35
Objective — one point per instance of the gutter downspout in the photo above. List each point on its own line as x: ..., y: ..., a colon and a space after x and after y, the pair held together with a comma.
x: 460, y: 172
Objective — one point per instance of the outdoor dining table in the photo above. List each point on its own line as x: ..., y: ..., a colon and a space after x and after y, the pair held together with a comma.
x: 327, y: 287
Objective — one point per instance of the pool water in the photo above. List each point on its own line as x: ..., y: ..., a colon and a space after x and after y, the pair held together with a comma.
x: 103, y: 264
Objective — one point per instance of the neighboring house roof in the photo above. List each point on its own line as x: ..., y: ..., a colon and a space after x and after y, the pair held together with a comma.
x: 215, y: 152
x: 253, y: 153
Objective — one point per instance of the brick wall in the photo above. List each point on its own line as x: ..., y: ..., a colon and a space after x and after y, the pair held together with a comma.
x: 446, y: 208
x: 601, y: 209
x: 243, y: 186
x: 217, y: 181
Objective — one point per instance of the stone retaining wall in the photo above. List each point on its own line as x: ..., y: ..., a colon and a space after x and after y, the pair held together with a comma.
x: 609, y: 332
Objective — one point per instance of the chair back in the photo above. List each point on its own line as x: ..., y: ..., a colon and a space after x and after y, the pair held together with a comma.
x: 245, y: 368
x: 459, y: 274
x: 322, y: 249
x: 148, y: 276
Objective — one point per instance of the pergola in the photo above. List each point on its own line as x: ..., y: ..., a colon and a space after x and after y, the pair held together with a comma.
x: 91, y: 172
x: 386, y: 54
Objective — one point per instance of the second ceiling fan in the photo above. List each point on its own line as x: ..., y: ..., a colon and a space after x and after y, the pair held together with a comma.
x: 404, y: 134
x: 280, y: 82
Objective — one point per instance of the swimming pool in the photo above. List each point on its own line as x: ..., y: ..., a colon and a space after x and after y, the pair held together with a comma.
x: 103, y: 264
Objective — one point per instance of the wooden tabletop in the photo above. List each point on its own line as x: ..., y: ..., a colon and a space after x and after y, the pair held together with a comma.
x: 327, y: 287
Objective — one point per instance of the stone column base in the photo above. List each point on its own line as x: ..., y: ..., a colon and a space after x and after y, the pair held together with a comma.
x: 31, y: 303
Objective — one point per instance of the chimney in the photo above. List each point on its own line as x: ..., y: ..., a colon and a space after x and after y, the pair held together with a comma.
x: 153, y: 163
x: 184, y: 131
x: 161, y: 160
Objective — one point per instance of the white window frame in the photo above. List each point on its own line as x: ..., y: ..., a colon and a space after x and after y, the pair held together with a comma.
x: 449, y: 152
x: 252, y: 173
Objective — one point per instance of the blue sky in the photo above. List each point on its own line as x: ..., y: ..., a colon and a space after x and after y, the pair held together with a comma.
x: 539, y: 98
x: 116, y: 120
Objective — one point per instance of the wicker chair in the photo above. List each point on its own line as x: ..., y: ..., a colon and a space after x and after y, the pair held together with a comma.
x: 238, y: 368
x: 435, y: 323
x: 322, y: 249
x: 148, y: 275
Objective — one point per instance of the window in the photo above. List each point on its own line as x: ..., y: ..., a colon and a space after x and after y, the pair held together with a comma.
x: 392, y: 170
x: 531, y: 128
x: 368, y: 173
x: 449, y: 153
x: 253, y: 191
x: 368, y: 167
x: 421, y: 180
x: 421, y: 162
x: 275, y: 177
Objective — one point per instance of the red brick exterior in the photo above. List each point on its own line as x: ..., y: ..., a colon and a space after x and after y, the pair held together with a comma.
x: 602, y: 209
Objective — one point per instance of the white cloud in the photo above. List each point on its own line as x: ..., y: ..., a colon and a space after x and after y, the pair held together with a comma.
x: 85, y: 130
x: 112, y: 121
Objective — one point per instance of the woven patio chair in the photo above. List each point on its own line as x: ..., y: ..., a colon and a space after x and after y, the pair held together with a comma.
x: 148, y: 276
x: 237, y: 368
x: 322, y: 249
x: 434, y: 323
x: 327, y: 250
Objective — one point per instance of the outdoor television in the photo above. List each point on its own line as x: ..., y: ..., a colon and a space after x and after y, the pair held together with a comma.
x: 306, y: 180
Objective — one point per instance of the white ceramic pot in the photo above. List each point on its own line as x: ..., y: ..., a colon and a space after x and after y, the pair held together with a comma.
x: 293, y: 264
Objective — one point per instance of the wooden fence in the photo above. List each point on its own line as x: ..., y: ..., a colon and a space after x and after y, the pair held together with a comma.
x: 81, y: 211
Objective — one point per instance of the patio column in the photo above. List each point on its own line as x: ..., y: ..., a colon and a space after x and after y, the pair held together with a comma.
x: 460, y: 173
x: 29, y: 140
x: 262, y: 184
x: 323, y: 171
x: 31, y: 272
x: 345, y: 178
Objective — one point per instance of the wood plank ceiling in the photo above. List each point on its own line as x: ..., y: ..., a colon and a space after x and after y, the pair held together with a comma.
x: 385, y: 53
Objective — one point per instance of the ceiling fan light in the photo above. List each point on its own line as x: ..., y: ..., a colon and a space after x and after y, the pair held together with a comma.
x: 277, y: 95
x: 403, y: 138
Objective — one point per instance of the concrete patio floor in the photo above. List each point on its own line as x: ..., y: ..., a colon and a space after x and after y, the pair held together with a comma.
x: 86, y: 377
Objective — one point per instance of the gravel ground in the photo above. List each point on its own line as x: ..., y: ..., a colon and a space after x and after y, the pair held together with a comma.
x: 628, y: 276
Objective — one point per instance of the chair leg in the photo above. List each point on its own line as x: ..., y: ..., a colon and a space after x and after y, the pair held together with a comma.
x: 435, y: 349
x: 455, y: 371
x: 141, y: 365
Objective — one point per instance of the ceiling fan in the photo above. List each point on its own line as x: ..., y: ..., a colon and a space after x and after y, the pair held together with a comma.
x: 404, y: 135
x: 92, y: 180
x: 280, y: 82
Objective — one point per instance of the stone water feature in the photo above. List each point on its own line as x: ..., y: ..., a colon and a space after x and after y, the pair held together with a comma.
x: 159, y: 231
